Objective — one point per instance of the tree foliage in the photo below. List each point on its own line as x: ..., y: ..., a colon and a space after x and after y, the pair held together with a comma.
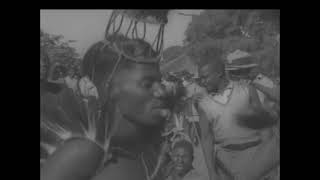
x: 58, y: 54
x: 253, y: 31
x: 171, y: 53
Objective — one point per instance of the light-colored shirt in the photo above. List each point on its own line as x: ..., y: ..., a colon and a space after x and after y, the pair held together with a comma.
x: 193, y: 88
x: 71, y: 83
x: 222, y: 110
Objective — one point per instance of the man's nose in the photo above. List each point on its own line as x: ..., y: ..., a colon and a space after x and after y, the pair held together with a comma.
x: 159, y: 90
x: 179, y: 159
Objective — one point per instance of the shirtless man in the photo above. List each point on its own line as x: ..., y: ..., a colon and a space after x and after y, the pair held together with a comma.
x: 132, y: 108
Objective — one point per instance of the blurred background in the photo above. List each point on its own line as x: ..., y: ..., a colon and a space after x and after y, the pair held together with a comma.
x: 65, y: 35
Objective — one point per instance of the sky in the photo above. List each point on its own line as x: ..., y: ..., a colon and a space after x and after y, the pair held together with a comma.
x: 88, y: 26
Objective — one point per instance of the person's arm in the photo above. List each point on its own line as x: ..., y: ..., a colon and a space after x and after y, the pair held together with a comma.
x: 272, y: 93
x: 77, y: 159
x: 255, y: 116
x: 65, y: 125
x: 207, y: 141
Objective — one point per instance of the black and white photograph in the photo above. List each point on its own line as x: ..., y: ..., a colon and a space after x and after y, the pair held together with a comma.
x: 160, y: 94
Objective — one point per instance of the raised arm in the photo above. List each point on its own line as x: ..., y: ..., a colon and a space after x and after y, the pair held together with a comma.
x: 272, y: 93
x: 268, y: 87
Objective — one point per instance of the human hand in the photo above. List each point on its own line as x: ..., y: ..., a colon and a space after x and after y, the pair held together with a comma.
x: 254, y: 73
x: 198, y: 96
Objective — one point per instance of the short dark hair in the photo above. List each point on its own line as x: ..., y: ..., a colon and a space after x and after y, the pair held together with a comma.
x: 213, y: 58
x: 100, y: 59
x: 210, y: 55
x: 184, y: 144
x: 214, y: 65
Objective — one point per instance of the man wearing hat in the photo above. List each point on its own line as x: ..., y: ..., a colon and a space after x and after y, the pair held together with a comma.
x: 237, y: 131
x: 241, y: 66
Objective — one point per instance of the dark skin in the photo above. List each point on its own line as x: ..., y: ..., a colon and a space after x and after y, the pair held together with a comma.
x: 214, y: 80
x: 140, y: 111
x: 182, y: 158
x: 140, y: 85
x: 138, y: 94
x: 213, y: 77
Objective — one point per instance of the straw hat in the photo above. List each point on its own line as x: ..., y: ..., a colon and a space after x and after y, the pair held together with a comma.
x: 240, y: 60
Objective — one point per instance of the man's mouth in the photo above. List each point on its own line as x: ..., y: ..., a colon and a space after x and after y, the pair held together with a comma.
x: 159, y: 105
x: 161, y: 109
x: 179, y: 166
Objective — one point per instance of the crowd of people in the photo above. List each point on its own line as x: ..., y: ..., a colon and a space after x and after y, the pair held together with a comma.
x: 232, y: 119
x: 124, y: 119
x: 236, y: 113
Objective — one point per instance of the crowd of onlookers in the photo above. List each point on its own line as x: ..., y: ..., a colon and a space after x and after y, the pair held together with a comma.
x: 229, y: 112
x: 225, y: 94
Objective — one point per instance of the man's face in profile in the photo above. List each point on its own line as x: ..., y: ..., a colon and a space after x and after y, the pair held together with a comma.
x: 141, y: 95
x: 182, y: 158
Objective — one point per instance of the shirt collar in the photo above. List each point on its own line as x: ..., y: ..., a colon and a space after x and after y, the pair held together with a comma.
x: 229, y: 86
